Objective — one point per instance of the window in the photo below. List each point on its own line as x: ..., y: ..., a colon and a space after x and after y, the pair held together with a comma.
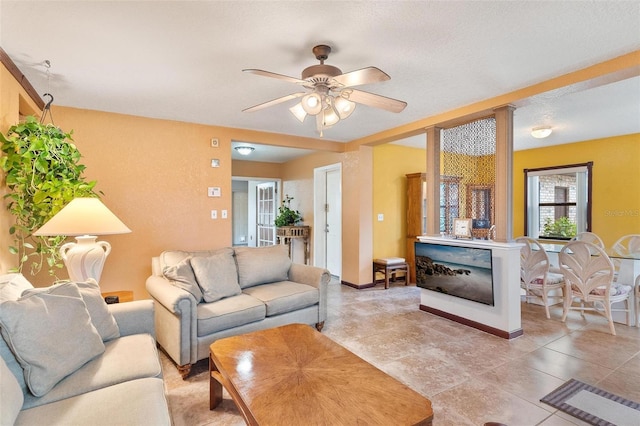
x: 558, y: 201
x: 449, y: 202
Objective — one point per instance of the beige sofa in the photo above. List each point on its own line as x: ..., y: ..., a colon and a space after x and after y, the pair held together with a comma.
x: 202, y: 296
x: 73, y: 373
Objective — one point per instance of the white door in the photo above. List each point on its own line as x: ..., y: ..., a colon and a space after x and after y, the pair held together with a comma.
x: 266, y: 214
x: 328, y: 218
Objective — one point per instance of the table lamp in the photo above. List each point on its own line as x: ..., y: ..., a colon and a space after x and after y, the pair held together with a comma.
x: 84, y: 218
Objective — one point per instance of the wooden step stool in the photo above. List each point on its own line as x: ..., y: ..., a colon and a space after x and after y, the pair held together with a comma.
x: 390, y: 266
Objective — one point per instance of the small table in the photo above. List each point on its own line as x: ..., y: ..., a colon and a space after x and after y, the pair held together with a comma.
x: 389, y: 267
x: 123, y: 295
x: 295, y: 375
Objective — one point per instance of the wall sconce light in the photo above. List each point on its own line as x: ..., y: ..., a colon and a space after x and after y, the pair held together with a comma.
x: 541, y: 132
x: 244, y: 150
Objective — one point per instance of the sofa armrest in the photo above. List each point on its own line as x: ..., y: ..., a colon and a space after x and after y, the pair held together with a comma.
x: 169, y: 296
x: 316, y: 277
x: 310, y: 275
x: 134, y: 317
x: 175, y: 319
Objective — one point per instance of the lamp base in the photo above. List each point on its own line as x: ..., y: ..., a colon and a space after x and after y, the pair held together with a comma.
x: 85, y: 258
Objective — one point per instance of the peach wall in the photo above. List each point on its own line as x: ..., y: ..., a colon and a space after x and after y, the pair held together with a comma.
x: 154, y: 175
x: 256, y: 169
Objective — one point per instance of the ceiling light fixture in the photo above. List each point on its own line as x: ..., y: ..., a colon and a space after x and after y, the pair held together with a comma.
x: 541, y: 132
x: 244, y: 150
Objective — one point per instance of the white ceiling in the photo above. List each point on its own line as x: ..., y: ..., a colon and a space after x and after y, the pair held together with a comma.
x: 183, y: 60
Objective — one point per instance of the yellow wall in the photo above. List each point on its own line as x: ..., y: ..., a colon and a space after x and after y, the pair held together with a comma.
x: 390, y: 164
x: 616, y: 181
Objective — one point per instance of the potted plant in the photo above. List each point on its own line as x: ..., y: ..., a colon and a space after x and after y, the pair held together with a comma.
x: 286, y: 215
x: 42, y: 175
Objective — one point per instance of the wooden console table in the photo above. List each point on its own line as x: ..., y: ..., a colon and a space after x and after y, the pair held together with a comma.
x: 285, y: 234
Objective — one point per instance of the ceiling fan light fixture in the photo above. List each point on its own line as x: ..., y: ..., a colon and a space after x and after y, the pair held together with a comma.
x: 312, y: 103
x: 298, y: 111
x: 244, y: 150
x: 330, y: 117
x: 344, y: 106
x: 541, y: 132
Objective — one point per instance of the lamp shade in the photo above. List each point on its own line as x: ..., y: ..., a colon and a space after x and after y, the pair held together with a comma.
x: 83, y: 216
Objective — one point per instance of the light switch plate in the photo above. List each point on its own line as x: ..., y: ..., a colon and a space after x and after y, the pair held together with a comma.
x: 214, y: 214
x: 224, y: 214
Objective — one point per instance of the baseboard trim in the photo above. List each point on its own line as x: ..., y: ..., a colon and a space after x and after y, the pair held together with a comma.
x: 470, y: 323
x: 357, y: 286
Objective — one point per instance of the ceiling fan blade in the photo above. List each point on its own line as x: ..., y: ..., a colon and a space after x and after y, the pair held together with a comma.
x: 376, y: 101
x: 274, y: 102
x: 274, y: 75
x: 362, y: 76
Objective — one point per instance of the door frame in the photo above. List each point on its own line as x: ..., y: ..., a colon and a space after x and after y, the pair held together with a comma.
x: 319, y: 217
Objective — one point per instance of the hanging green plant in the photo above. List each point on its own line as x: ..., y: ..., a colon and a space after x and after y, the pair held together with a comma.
x: 286, y: 215
x: 43, y: 174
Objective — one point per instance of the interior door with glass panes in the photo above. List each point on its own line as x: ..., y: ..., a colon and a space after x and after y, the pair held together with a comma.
x: 266, y: 213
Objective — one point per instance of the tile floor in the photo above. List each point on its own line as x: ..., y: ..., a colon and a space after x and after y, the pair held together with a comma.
x: 471, y: 377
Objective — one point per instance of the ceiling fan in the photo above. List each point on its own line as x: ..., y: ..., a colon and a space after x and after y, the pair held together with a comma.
x: 331, y: 97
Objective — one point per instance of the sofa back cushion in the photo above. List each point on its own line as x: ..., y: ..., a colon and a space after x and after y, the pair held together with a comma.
x: 216, y: 275
x: 12, y: 286
x: 262, y: 265
x: 51, y: 334
x: 181, y: 275
x: 176, y: 267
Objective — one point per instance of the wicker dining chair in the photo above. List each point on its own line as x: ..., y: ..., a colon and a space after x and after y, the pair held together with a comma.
x: 535, y: 278
x: 588, y: 274
x: 628, y: 245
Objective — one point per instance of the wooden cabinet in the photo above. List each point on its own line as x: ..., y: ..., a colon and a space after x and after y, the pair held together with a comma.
x: 416, y: 215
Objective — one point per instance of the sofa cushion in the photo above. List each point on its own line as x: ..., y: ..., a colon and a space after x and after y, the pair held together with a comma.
x: 101, y: 318
x: 216, y: 275
x: 227, y: 313
x: 12, y: 286
x: 46, y: 343
x: 11, y: 396
x: 124, y: 359
x: 261, y: 265
x: 285, y: 296
x: 181, y: 275
x: 136, y: 402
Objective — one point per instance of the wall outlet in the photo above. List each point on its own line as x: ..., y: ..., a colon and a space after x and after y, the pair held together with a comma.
x: 214, y: 214
x: 380, y: 217
x: 224, y: 214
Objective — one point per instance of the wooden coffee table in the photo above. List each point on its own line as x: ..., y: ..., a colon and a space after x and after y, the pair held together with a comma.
x: 295, y: 375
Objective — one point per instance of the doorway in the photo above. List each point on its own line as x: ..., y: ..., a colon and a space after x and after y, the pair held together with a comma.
x: 255, y: 204
x: 328, y: 218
